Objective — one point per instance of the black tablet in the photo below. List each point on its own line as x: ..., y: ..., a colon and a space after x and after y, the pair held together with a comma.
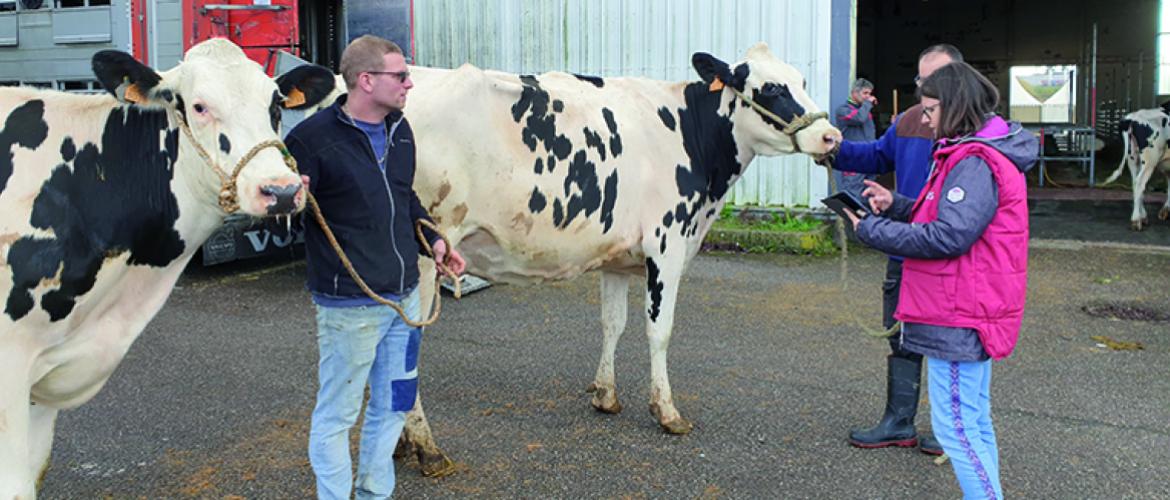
x: 844, y: 200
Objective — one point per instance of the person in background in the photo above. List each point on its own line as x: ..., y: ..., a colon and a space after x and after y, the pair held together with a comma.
x: 855, y: 120
x: 359, y: 156
x: 904, y: 149
x: 964, y: 240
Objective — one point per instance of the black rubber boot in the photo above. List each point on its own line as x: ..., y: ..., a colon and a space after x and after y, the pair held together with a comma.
x: 929, y: 445
x: 896, y: 427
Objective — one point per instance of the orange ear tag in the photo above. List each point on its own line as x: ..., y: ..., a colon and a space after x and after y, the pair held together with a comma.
x: 132, y: 94
x: 716, y: 85
x: 295, y: 98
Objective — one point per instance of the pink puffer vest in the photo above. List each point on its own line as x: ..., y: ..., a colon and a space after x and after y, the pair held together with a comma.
x: 985, y: 288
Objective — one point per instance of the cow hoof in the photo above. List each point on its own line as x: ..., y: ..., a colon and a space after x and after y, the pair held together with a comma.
x: 435, y: 464
x: 612, y: 407
x: 604, y: 400
x: 1164, y: 213
x: 678, y: 426
x: 402, y: 449
x: 1137, y: 225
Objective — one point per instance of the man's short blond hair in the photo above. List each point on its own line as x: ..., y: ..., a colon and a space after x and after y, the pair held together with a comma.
x: 365, y: 53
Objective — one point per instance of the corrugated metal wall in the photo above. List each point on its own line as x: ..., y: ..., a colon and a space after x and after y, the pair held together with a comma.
x: 651, y: 38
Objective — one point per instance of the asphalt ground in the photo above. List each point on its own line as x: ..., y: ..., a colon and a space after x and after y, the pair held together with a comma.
x: 213, y: 400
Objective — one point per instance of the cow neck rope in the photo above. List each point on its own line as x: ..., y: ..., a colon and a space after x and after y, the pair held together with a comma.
x: 227, y: 183
x: 790, y: 128
x: 840, y: 226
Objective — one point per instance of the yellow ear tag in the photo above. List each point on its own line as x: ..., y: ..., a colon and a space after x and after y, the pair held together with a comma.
x: 716, y: 85
x: 132, y: 94
x: 295, y: 98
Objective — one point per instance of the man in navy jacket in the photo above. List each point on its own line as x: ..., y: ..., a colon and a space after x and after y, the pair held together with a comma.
x: 905, y: 149
x: 359, y: 156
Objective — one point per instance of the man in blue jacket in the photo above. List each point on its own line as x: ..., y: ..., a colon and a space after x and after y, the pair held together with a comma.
x: 855, y: 120
x: 905, y: 149
x: 359, y: 156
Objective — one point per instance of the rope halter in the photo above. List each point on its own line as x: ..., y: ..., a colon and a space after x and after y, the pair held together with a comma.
x: 790, y: 128
x: 228, y: 200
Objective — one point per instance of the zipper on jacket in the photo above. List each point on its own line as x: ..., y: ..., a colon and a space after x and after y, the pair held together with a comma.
x: 389, y: 194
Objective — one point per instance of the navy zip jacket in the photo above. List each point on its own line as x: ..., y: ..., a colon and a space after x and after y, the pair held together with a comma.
x: 372, y: 213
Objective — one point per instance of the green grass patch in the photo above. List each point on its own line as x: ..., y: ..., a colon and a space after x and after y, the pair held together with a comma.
x: 770, y: 233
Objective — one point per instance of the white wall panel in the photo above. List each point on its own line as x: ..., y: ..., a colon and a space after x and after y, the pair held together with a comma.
x: 650, y: 38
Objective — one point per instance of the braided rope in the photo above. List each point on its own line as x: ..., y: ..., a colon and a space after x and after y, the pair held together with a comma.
x: 840, y: 227
x: 442, y: 268
x: 790, y: 128
x: 229, y: 202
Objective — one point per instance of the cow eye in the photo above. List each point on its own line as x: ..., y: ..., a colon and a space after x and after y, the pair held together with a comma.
x: 772, y: 90
x: 199, y: 108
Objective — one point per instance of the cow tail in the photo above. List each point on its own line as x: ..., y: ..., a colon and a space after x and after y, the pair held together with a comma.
x: 1124, y: 158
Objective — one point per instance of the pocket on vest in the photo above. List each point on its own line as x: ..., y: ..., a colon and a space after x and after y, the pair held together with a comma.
x: 926, y: 292
x: 999, y: 294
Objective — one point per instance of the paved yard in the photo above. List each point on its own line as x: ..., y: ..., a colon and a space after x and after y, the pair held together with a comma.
x: 213, y: 400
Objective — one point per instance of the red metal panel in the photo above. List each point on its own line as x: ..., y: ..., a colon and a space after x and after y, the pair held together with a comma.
x: 139, y: 22
x: 261, y: 28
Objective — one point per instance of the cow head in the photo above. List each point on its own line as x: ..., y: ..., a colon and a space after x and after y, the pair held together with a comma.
x: 231, y: 110
x: 776, y: 115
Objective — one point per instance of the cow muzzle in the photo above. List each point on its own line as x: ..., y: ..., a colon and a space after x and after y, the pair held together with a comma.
x: 281, y: 200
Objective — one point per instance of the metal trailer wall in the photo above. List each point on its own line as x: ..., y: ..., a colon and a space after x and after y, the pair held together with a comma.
x: 651, y: 38
x: 166, y: 33
x: 53, y: 45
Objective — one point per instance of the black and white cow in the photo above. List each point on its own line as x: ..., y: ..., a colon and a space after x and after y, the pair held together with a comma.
x: 104, y: 199
x: 546, y: 177
x: 1145, y: 134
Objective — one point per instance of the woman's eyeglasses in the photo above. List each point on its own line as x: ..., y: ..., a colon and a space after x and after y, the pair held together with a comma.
x: 927, y: 110
x: 402, y: 75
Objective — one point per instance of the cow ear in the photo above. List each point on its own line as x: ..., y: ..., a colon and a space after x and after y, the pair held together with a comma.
x: 123, y: 76
x: 305, y: 85
x: 709, y: 68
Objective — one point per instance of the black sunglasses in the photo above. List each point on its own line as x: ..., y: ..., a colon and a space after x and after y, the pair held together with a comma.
x: 402, y: 75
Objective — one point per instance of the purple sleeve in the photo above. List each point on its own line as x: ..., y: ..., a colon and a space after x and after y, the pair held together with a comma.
x: 969, y: 201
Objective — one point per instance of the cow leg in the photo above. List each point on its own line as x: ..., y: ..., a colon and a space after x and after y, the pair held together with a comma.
x: 416, y: 434
x: 15, y: 480
x: 431, y: 460
x: 42, y: 419
x: 662, y: 281
x: 1164, y: 213
x: 615, y: 289
x: 1148, y: 162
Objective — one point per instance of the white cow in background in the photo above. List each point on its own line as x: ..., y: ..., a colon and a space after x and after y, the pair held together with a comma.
x: 1144, y: 134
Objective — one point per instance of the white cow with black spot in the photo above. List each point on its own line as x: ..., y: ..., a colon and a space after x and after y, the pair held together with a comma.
x: 104, y: 201
x: 1145, y: 134
x: 540, y: 178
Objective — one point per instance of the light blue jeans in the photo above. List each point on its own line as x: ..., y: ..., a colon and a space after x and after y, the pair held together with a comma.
x: 360, y: 344
x: 960, y: 414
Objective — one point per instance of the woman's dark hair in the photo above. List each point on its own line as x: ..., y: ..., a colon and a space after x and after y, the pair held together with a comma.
x: 966, y: 98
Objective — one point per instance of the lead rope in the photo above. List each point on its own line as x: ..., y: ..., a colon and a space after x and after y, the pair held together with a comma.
x: 229, y: 203
x: 840, y: 226
x: 790, y: 129
x: 442, y: 268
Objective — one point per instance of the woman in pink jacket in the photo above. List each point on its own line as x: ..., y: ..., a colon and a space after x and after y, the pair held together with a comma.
x: 965, y: 243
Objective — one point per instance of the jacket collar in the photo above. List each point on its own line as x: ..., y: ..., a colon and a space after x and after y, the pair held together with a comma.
x: 391, y: 119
